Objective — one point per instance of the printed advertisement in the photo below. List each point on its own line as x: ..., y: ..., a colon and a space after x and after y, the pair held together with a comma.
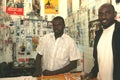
x: 15, y: 7
x: 51, y: 6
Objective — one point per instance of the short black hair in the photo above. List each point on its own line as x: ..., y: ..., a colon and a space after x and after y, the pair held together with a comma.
x: 109, y: 5
x: 59, y: 17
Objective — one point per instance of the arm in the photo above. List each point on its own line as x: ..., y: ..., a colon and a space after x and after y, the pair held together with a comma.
x: 69, y: 67
x: 38, y: 68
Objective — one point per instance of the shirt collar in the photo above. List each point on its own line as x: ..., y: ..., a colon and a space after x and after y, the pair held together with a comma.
x: 111, y: 27
x: 52, y: 35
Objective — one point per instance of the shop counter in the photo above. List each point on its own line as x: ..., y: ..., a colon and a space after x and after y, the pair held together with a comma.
x: 66, y: 76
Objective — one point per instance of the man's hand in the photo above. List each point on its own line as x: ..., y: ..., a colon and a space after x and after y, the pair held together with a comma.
x: 36, y: 74
x: 86, y: 76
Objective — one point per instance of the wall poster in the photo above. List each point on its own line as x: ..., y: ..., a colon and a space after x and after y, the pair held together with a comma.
x: 51, y: 6
x: 36, y: 6
x: 69, y: 7
x: 15, y: 7
x: 93, y: 26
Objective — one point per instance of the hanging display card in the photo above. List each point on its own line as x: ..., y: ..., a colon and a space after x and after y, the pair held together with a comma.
x: 15, y: 7
x: 51, y: 6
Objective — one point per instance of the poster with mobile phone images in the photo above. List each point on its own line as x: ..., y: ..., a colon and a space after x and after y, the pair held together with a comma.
x: 1, y: 47
x: 44, y: 24
x: 28, y: 44
x: 1, y: 41
x: 49, y: 24
x: 17, y: 31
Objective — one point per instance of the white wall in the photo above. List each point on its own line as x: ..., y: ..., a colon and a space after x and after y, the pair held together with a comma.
x: 75, y: 5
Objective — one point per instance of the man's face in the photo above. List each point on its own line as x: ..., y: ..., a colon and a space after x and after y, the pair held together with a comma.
x: 58, y: 27
x: 106, y: 16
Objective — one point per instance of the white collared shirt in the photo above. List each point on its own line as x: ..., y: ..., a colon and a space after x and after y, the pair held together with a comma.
x: 58, y: 53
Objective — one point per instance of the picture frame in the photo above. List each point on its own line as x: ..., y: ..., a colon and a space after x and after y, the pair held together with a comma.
x: 93, y: 27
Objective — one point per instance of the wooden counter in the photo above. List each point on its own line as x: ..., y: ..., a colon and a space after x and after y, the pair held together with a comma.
x: 66, y: 76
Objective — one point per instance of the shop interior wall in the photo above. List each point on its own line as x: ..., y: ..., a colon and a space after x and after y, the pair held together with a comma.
x: 78, y: 25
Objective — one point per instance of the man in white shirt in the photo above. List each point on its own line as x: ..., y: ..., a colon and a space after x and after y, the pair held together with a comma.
x: 107, y: 46
x: 58, y: 52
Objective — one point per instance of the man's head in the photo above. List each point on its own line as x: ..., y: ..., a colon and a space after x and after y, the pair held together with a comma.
x: 58, y: 26
x: 106, y: 15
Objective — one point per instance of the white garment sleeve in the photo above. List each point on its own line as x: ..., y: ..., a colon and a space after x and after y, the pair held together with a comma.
x: 40, y: 48
x: 74, y: 52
